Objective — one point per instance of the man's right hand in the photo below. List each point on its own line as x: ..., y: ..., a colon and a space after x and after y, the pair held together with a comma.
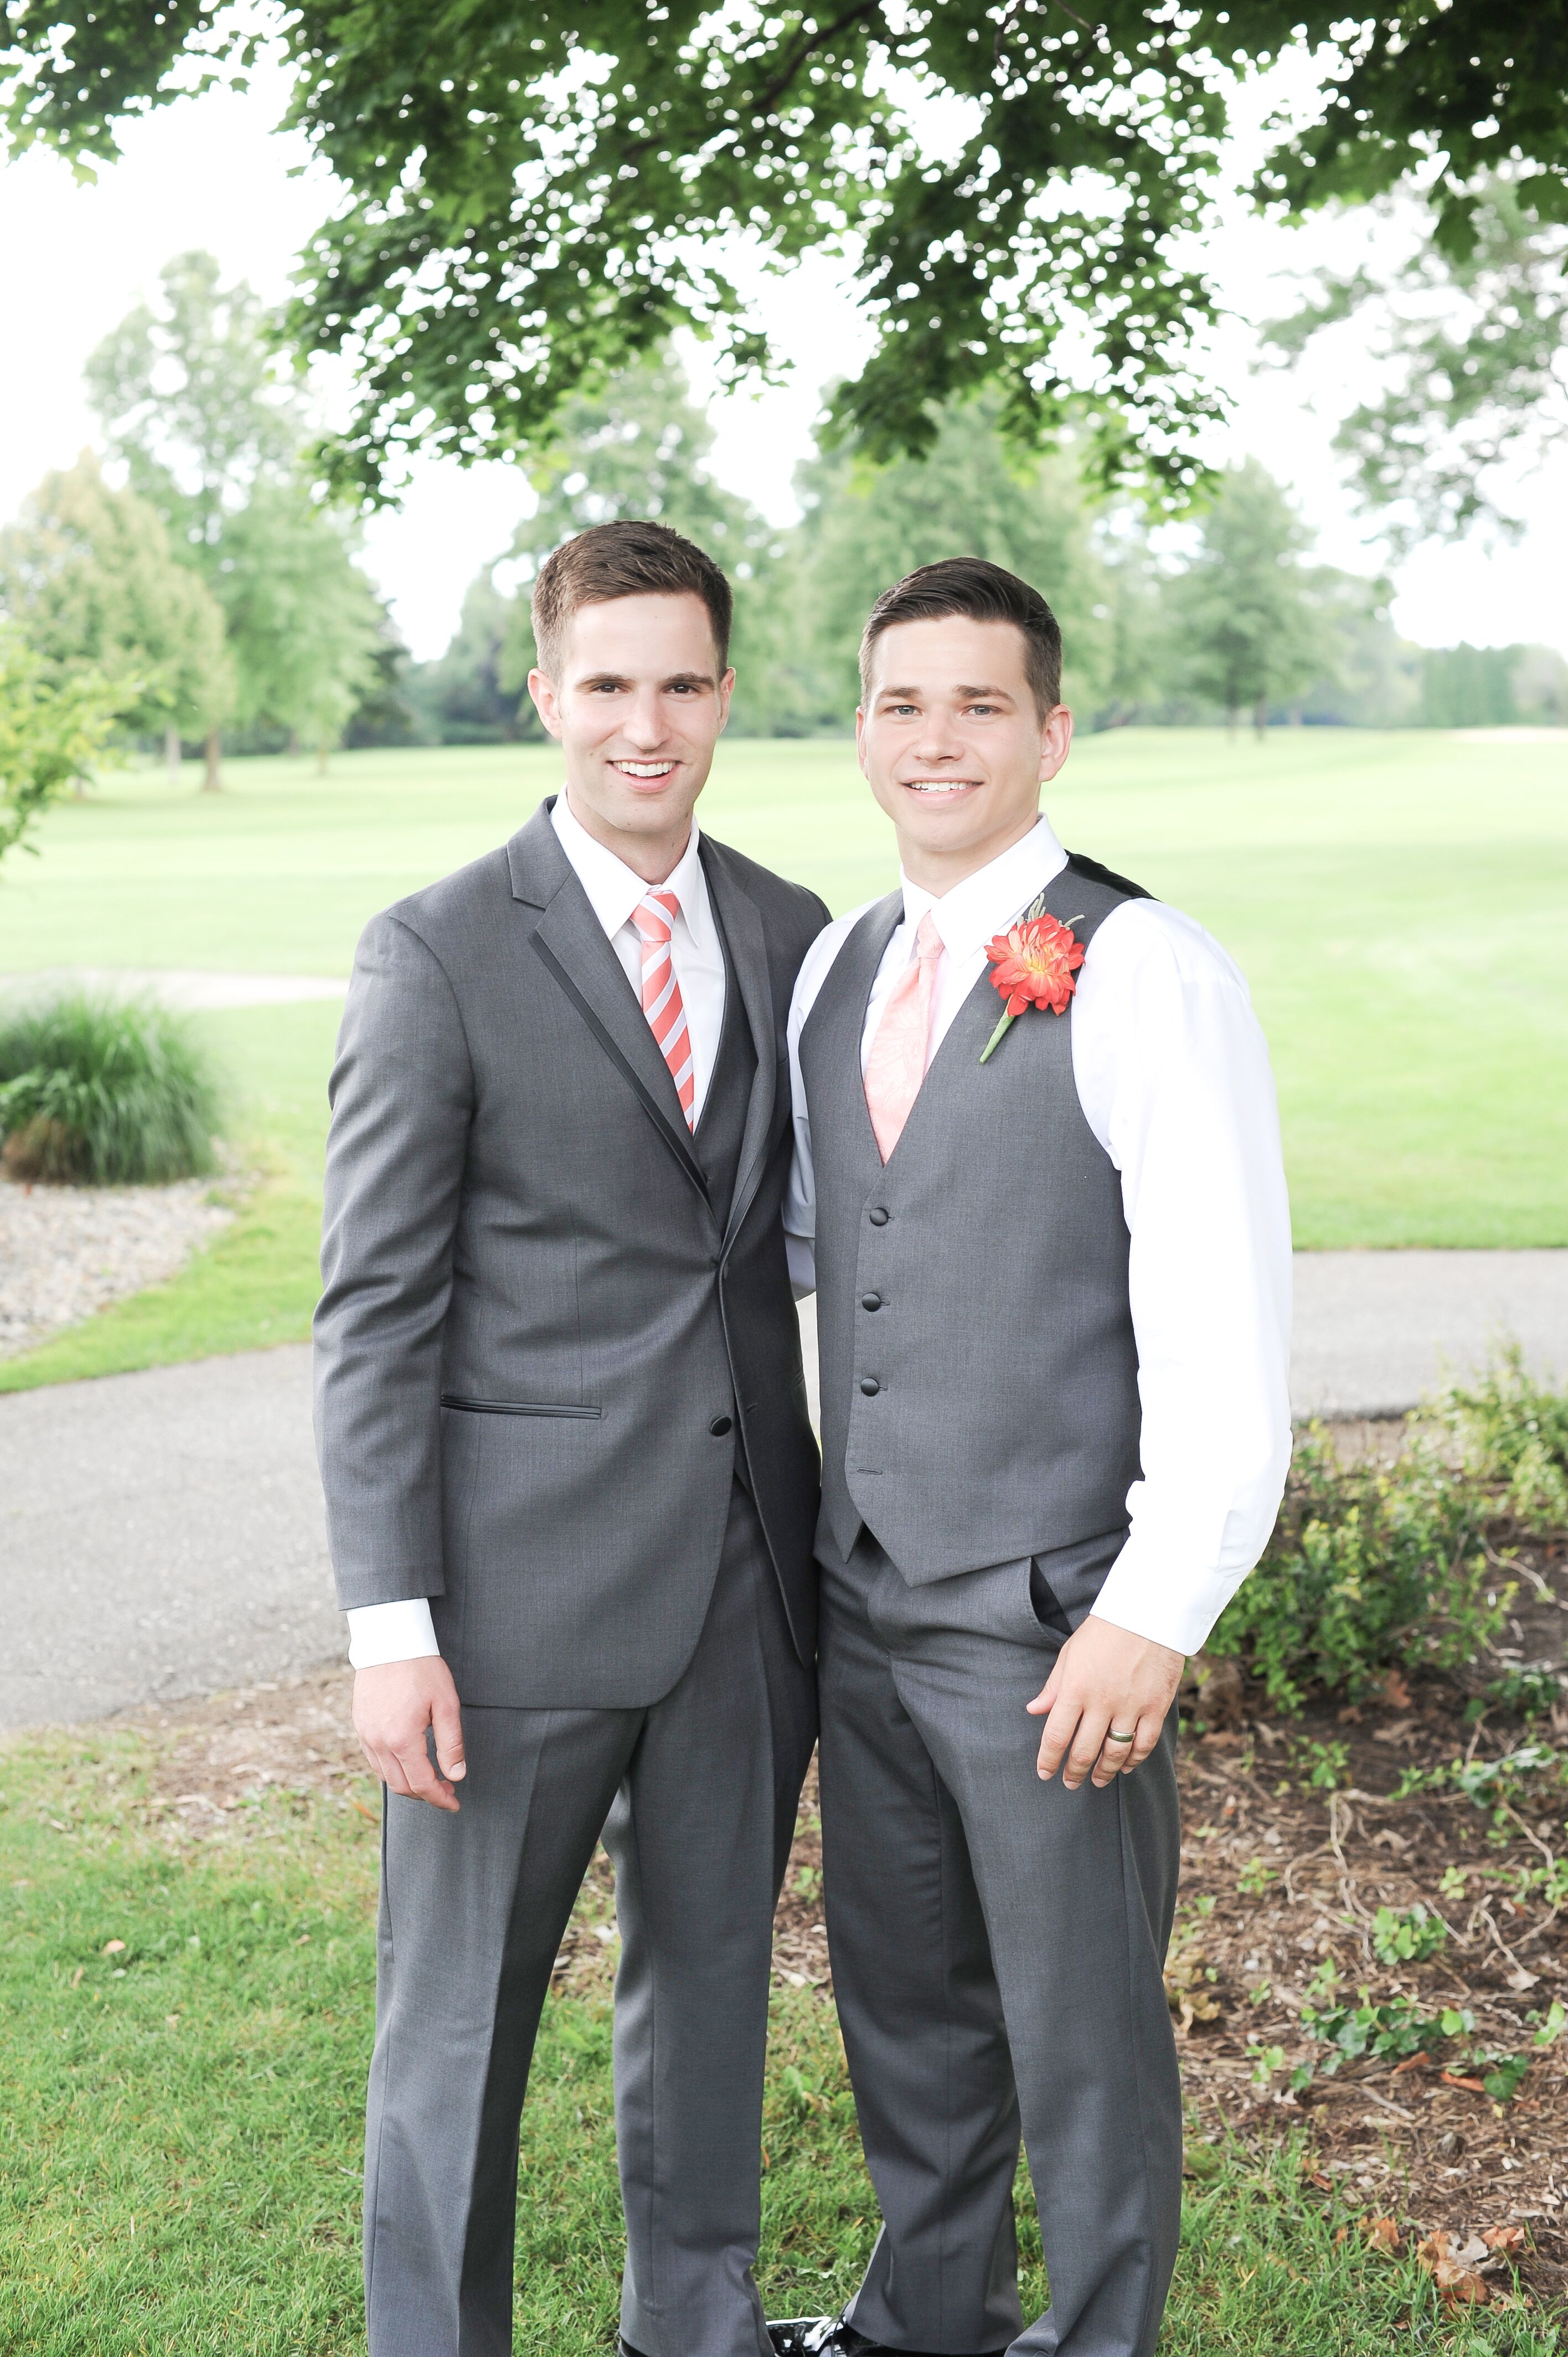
x: 395, y: 1706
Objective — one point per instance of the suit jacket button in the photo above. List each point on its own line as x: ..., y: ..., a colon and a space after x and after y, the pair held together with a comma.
x: 878, y: 1215
x: 871, y: 1301
x: 870, y: 1386
x: 719, y: 1427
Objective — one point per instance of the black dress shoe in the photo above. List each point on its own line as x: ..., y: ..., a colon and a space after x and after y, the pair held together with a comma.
x: 832, y: 2336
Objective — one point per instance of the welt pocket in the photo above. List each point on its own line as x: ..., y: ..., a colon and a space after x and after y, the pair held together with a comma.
x: 514, y: 1407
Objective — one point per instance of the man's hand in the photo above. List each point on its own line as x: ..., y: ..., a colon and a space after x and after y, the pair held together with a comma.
x: 1106, y: 1682
x: 395, y: 1706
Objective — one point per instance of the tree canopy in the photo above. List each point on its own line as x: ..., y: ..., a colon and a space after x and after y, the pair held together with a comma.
x: 539, y: 197
x: 190, y: 396
x: 1250, y: 617
x: 1472, y: 353
x: 55, y: 729
x: 88, y: 576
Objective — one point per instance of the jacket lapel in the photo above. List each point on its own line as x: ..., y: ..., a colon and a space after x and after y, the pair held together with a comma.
x: 741, y: 925
x: 570, y: 942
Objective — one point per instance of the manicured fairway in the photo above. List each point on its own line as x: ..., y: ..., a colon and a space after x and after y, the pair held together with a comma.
x: 1398, y: 901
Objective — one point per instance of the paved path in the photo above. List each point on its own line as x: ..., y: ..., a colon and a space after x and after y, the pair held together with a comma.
x: 176, y: 986
x: 1374, y: 1330
x: 161, y: 1534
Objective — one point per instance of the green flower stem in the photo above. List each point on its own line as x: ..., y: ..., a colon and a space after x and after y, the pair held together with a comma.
x: 994, y: 1042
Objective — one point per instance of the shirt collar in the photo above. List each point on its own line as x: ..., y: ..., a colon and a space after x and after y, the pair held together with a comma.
x: 614, y: 889
x: 986, y: 902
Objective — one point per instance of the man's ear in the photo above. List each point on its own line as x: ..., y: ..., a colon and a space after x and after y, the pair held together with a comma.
x: 860, y: 737
x: 541, y: 688
x: 727, y: 689
x: 1056, y: 742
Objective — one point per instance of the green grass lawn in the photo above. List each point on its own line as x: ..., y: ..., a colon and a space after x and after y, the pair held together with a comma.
x: 182, y: 2130
x: 1396, y: 900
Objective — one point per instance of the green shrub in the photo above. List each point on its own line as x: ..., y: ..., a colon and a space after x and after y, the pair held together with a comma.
x: 1513, y: 1434
x: 98, y: 1093
x: 1370, y: 1565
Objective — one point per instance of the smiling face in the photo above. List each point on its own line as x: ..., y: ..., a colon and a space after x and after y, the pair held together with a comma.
x: 954, y: 744
x: 638, y: 707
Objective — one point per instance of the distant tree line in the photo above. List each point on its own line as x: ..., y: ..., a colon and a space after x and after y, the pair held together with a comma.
x: 1239, y: 622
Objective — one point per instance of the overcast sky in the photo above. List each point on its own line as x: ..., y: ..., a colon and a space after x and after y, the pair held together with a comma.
x: 213, y: 172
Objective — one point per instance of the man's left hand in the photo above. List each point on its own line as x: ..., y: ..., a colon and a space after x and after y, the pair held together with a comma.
x: 1107, y: 1683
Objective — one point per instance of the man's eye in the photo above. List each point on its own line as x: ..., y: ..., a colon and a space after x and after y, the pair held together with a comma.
x: 982, y: 708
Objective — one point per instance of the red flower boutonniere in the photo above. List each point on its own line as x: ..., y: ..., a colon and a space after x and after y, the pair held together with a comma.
x: 1034, y: 963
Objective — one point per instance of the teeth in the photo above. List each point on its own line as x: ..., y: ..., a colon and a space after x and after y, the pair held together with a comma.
x: 646, y: 769
x: 941, y: 785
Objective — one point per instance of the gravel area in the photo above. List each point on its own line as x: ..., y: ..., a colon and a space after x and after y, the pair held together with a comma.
x: 65, y: 1252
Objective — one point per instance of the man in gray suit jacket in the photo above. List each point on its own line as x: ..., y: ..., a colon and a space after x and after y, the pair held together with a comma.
x: 1052, y: 1256
x: 570, y: 1477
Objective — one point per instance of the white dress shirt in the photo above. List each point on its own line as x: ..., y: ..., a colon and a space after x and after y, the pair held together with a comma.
x: 1173, y: 1076
x: 404, y: 1631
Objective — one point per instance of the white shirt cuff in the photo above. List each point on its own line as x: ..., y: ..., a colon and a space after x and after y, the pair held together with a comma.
x: 1153, y: 1596
x: 400, y: 1631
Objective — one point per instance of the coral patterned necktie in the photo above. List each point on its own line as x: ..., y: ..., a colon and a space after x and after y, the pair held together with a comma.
x: 896, y: 1065
x: 654, y: 918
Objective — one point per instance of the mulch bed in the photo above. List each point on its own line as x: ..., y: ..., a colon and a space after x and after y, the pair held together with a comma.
x: 1278, y: 1877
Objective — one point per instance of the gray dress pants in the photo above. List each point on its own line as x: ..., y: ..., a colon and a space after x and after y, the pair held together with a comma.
x: 699, y: 1791
x: 997, y: 1947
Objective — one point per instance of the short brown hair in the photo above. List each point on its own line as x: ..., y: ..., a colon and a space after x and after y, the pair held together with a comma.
x: 968, y: 585
x: 627, y: 559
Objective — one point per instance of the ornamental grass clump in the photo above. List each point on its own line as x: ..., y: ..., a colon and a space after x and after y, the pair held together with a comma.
x: 98, y: 1093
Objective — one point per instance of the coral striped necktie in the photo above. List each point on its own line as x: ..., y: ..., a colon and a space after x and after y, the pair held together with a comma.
x: 654, y: 918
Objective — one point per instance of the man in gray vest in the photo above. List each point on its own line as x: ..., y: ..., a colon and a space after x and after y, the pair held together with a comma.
x: 1038, y: 1165
x: 570, y: 1477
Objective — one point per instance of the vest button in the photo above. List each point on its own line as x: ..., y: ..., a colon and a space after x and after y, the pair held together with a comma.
x: 719, y: 1427
x: 878, y: 1215
x: 870, y: 1386
x: 871, y: 1301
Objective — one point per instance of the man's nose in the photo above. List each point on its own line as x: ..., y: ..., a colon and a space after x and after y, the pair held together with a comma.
x: 644, y: 723
x: 938, y: 743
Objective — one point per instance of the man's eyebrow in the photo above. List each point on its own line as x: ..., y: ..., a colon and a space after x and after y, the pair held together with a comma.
x: 901, y: 694
x: 624, y: 679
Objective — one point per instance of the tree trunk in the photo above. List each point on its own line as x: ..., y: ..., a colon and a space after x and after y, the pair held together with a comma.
x: 322, y: 751
x: 1230, y: 720
x: 1261, y: 716
x: 171, y: 754
x: 211, y: 782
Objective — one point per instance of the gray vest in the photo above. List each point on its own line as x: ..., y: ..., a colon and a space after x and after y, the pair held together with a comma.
x: 978, y: 1374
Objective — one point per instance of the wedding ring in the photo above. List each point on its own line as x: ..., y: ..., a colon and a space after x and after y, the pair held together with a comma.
x: 1114, y: 1738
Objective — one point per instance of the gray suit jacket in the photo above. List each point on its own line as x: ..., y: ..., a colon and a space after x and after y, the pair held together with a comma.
x: 537, y: 1335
